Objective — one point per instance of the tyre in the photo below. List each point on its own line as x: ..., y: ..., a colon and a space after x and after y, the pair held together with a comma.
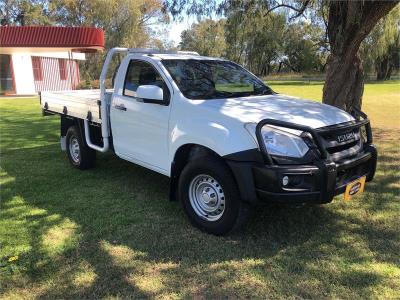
x: 210, y: 196
x: 79, y: 153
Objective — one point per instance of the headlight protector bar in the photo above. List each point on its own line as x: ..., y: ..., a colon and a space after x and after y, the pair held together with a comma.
x: 316, y: 134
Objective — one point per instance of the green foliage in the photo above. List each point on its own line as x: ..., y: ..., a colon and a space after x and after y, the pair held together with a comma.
x: 271, y: 35
x: 206, y: 37
x: 263, y: 41
x: 384, y: 34
x: 125, y: 22
x: 253, y: 37
x: 301, y: 46
x: 24, y: 12
x: 380, y: 50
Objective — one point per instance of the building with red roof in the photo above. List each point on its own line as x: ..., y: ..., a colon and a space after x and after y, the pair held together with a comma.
x: 44, y: 58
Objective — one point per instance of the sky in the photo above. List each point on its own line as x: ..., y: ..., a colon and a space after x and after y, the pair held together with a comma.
x: 175, y: 28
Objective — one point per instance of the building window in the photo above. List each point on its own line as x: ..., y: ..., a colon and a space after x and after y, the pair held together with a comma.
x: 62, y: 65
x: 37, y: 68
x: 6, y: 75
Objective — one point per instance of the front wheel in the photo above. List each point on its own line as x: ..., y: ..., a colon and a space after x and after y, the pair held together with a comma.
x: 210, y: 196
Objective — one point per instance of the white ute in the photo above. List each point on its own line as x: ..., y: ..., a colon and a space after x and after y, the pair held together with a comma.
x: 225, y: 139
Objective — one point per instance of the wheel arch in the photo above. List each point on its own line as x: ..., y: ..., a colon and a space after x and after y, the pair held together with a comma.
x: 66, y: 123
x: 95, y: 131
x: 182, y: 156
x: 241, y: 170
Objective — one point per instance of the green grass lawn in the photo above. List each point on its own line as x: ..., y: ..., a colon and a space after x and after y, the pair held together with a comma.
x: 111, y: 232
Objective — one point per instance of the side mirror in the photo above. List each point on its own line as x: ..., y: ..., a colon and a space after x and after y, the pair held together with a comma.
x: 150, y: 93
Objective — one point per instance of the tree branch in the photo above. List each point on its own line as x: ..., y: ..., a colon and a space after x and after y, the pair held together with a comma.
x: 300, y: 11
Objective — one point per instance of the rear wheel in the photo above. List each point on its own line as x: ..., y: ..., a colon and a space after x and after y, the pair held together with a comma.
x: 80, y: 155
x: 210, y: 196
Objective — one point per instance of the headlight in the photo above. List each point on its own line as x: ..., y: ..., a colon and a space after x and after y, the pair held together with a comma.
x: 282, y: 142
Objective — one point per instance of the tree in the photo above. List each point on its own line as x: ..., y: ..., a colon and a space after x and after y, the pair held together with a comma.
x: 349, y: 22
x: 253, y: 37
x: 302, y: 50
x: 125, y: 22
x: 206, y: 37
x: 24, y: 12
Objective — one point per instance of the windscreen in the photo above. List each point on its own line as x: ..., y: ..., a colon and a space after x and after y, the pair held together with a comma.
x: 213, y: 79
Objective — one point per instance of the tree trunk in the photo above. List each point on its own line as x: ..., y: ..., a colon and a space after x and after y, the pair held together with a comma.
x: 280, y: 67
x: 389, y: 72
x: 382, y: 68
x: 323, y: 67
x: 344, y: 84
x: 287, y: 63
x: 349, y: 22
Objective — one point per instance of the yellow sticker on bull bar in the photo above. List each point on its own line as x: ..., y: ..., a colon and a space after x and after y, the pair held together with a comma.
x: 354, y: 188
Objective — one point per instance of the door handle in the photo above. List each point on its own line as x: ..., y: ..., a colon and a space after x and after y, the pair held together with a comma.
x: 120, y: 107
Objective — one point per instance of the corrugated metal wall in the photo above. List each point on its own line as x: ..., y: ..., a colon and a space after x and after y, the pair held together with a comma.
x: 50, y: 79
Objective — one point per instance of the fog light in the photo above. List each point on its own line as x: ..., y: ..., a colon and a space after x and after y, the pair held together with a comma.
x: 285, y: 180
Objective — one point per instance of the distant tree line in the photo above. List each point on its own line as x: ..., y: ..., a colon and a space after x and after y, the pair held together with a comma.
x: 271, y: 43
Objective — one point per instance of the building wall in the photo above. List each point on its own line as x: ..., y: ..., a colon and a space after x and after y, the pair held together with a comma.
x: 51, y: 78
x: 72, y: 55
x: 23, y: 74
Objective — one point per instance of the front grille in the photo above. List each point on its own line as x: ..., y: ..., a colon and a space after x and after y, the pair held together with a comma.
x: 339, y: 149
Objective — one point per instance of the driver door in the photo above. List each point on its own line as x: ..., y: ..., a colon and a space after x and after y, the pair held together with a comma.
x: 140, y: 130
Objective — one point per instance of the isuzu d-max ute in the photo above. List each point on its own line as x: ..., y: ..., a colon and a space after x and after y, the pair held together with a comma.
x: 223, y: 137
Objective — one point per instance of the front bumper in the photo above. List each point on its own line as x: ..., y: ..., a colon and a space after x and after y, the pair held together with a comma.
x: 315, y: 183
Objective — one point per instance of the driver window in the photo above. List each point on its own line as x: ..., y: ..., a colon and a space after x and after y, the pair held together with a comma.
x: 140, y: 73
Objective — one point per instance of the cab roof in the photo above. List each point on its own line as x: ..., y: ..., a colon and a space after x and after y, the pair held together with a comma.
x: 162, y: 56
x: 185, y: 56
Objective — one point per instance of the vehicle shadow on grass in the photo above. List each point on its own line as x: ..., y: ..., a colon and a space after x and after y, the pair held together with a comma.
x: 387, y: 177
x: 111, y: 231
